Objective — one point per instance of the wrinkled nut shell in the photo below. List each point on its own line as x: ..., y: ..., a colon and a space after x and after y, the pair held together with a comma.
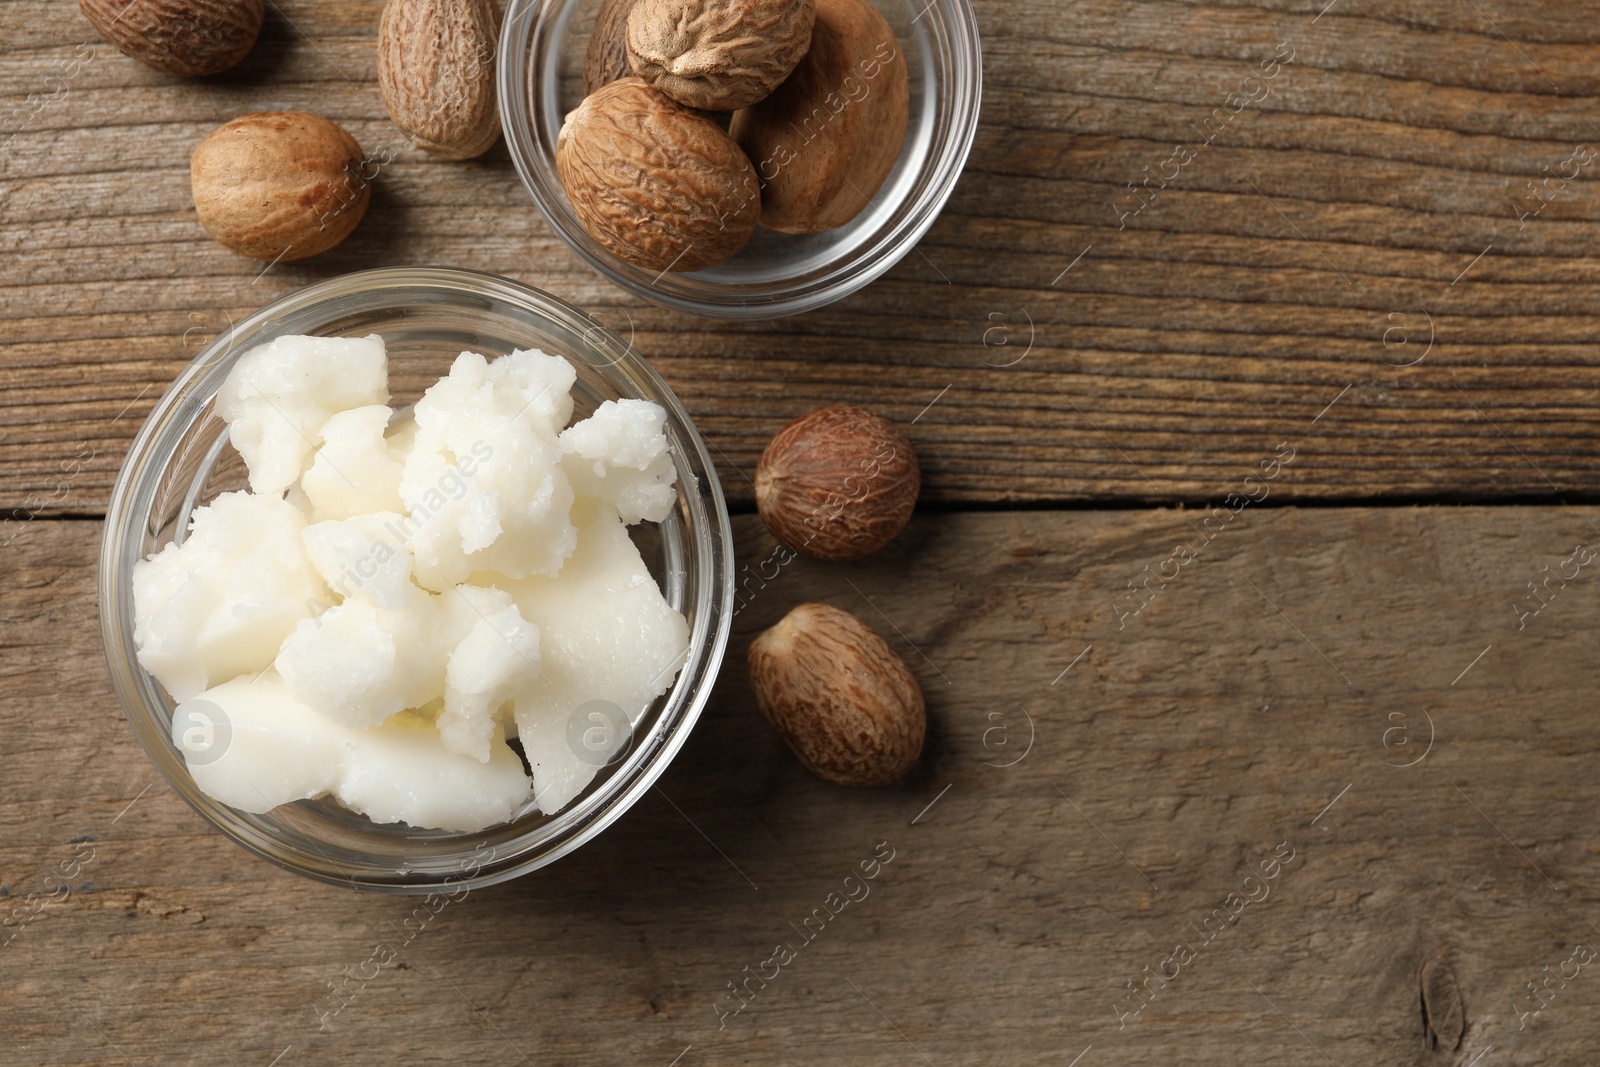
x: 436, y: 69
x: 839, y: 696
x: 718, y: 55
x: 279, y: 184
x: 824, y: 142
x: 656, y: 184
x: 184, y: 37
x: 607, y: 58
x: 838, y: 484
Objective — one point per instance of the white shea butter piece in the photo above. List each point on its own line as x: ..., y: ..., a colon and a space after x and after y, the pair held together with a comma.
x: 359, y: 663
x: 619, y: 455
x: 498, y: 656
x: 357, y: 470
x: 605, y: 634
x: 399, y: 595
x: 220, y: 604
x: 401, y: 772
x: 543, y: 383
x: 277, y: 397
x: 365, y: 556
x: 251, y: 745
x: 483, y: 482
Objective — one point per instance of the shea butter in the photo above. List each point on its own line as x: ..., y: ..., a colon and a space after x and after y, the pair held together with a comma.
x: 402, y: 595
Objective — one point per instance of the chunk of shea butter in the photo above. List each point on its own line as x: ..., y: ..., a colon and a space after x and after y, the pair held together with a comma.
x: 498, y: 656
x: 619, y: 455
x: 483, y: 482
x: 544, y: 383
x: 359, y: 663
x: 221, y: 603
x: 606, y: 634
x: 357, y: 469
x: 273, y: 750
x: 279, y: 395
x: 366, y: 556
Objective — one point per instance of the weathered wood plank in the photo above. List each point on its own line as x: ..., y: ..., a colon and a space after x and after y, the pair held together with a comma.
x: 1245, y: 706
x: 1377, y: 191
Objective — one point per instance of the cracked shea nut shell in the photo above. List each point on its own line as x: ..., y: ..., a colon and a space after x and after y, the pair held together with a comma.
x: 838, y: 484
x: 718, y: 55
x: 436, y: 69
x: 278, y: 184
x: 658, y: 185
x: 840, y: 697
x: 189, y: 38
x: 825, y: 141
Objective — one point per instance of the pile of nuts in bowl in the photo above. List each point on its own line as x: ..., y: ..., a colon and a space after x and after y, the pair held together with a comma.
x: 815, y: 94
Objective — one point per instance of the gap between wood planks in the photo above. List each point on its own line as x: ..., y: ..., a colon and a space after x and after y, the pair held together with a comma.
x: 960, y: 507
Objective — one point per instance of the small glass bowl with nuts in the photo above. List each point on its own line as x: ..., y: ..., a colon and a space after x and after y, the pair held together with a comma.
x: 740, y: 159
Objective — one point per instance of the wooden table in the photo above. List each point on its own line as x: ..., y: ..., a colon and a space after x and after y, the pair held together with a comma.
x: 1380, y: 259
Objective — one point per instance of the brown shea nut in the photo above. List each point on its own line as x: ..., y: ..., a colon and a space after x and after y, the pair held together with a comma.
x: 279, y: 184
x: 718, y: 55
x: 436, y: 69
x: 659, y: 185
x: 839, y: 696
x: 838, y: 484
x: 825, y: 140
x: 184, y: 37
x: 607, y: 58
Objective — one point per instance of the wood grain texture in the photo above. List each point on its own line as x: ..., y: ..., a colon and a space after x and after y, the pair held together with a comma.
x: 1378, y: 191
x: 1251, y: 703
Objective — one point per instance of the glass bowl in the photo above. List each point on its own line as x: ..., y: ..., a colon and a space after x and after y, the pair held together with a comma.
x: 181, y: 460
x: 542, y: 48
